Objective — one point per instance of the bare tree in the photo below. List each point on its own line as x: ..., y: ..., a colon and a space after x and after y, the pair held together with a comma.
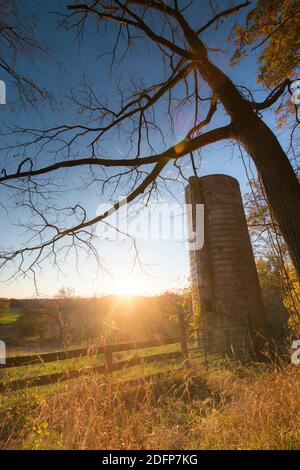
x: 188, y: 69
x: 17, y: 39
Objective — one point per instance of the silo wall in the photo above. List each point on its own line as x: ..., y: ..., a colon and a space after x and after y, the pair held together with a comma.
x: 223, y: 273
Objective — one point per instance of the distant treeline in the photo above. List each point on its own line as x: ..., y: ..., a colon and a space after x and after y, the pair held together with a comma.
x: 71, y: 321
x: 4, y: 304
x: 21, y: 303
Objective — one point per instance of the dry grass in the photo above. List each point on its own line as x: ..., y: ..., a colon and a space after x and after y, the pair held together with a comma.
x: 244, y: 408
x: 260, y: 409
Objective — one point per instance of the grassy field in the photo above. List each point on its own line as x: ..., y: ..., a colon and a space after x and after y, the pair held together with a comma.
x: 232, y: 407
x: 15, y: 373
x: 254, y: 407
x: 10, y: 316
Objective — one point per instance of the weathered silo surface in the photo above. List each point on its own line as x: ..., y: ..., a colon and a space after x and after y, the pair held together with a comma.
x: 223, y: 272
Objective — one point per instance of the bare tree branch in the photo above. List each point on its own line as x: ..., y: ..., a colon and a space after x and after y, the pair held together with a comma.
x: 272, y: 97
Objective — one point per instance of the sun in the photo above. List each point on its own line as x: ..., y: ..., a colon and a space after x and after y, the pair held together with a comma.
x: 126, y: 287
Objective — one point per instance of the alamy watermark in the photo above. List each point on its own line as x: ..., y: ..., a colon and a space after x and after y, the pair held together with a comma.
x: 2, y: 353
x: 155, y: 221
x: 295, y: 357
x: 2, y: 92
x: 294, y: 89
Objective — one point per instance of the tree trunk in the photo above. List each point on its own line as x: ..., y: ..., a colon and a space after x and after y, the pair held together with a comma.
x: 278, y: 178
x: 274, y: 168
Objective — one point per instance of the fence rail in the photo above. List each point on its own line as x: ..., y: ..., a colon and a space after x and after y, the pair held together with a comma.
x: 19, y: 361
x: 207, y: 345
x: 108, y: 367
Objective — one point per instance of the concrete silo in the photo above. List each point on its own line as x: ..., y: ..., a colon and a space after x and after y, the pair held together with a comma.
x: 223, y: 273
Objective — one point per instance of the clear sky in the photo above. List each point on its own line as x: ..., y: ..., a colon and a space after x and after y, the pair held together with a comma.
x: 64, y: 70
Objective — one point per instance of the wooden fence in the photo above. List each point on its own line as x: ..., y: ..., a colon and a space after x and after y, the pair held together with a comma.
x: 108, y: 367
x: 198, y: 343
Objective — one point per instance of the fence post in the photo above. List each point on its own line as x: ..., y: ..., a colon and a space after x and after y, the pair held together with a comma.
x: 108, y: 356
x: 205, y: 352
x: 183, y: 339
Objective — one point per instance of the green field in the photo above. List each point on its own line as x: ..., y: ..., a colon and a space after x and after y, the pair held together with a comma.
x: 15, y: 373
x: 10, y: 316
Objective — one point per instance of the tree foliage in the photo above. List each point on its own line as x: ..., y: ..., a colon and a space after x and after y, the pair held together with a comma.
x: 280, y: 287
x: 273, y: 28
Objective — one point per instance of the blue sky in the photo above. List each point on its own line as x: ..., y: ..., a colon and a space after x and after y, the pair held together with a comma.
x: 66, y: 67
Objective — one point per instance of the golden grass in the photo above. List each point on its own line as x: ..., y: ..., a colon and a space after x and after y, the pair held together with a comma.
x: 259, y: 409
x: 244, y: 408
